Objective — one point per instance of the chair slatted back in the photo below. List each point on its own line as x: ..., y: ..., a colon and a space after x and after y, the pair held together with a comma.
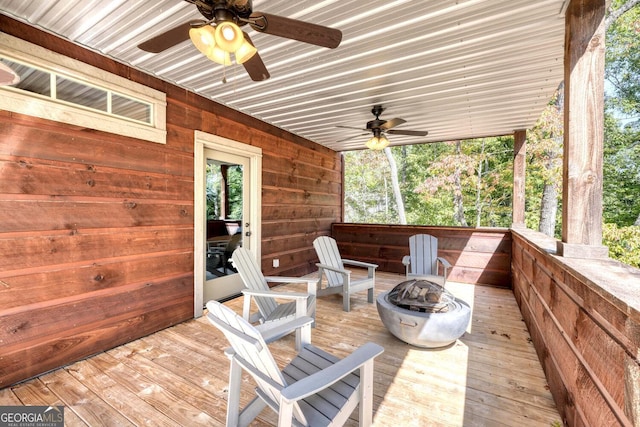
x: 252, y: 276
x: 328, y: 253
x: 251, y: 352
x: 423, y: 250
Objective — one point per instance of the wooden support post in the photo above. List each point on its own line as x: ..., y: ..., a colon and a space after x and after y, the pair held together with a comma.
x: 519, y: 173
x: 583, y: 131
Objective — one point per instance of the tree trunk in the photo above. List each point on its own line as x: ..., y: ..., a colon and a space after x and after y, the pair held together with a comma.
x: 549, y: 200
x: 402, y: 218
x: 458, y: 206
x: 548, y: 209
x: 479, y: 188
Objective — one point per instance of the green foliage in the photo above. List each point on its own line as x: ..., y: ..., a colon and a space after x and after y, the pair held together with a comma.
x: 623, y: 62
x: 368, y: 195
x: 425, y: 174
x: 544, y: 162
x: 234, y: 178
x: 212, y: 185
x: 621, y: 180
x: 214, y: 191
x: 623, y: 243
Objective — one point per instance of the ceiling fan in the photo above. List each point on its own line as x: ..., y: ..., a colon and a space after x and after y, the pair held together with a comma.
x: 381, y: 127
x: 220, y: 38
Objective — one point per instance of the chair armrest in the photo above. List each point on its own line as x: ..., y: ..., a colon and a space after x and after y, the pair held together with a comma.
x: 272, y: 294
x: 406, y: 260
x: 444, y: 262
x: 311, y: 283
x: 330, y: 268
x: 282, y: 279
x: 270, y: 332
x: 359, y: 263
x: 332, y: 374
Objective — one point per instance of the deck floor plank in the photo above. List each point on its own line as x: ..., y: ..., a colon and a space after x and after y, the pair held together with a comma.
x: 491, y: 376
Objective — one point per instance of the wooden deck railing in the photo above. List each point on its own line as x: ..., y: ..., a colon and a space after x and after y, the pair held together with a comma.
x: 478, y: 255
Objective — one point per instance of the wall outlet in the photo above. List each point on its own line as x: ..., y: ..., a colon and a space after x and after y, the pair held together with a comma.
x: 276, y: 263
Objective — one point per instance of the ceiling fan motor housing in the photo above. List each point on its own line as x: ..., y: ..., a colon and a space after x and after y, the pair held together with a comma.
x: 376, y: 123
x: 225, y: 10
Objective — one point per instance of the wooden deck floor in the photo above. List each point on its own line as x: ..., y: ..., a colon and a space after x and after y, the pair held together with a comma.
x: 178, y: 377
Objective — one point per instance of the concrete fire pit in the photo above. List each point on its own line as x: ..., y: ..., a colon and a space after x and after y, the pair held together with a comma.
x: 423, y: 314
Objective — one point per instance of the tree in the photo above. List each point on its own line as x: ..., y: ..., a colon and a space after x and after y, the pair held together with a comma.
x: 622, y: 116
x: 623, y: 57
x: 393, y: 172
x: 544, y: 170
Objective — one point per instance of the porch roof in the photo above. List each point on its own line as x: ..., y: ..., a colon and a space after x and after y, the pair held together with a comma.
x: 457, y: 69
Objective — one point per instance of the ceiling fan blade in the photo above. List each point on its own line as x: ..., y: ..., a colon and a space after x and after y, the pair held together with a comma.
x: 352, y: 137
x: 297, y: 30
x: 392, y: 123
x: 254, y: 66
x: 408, y: 132
x: 350, y: 127
x: 169, y: 38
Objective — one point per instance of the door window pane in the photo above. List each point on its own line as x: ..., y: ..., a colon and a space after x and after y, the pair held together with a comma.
x: 224, y: 217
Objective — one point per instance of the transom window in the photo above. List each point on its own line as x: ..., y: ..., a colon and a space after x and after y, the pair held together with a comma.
x: 73, y: 92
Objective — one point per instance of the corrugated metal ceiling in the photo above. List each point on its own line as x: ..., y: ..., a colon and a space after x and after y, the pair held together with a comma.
x: 455, y: 68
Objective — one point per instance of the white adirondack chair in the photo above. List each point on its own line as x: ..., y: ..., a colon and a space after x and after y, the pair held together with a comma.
x: 338, y: 278
x: 422, y: 261
x: 315, y: 389
x: 270, y: 312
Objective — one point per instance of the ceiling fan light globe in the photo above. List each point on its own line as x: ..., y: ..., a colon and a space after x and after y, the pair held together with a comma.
x: 228, y: 36
x: 377, y: 143
x: 219, y: 56
x: 203, y: 38
x: 245, y: 52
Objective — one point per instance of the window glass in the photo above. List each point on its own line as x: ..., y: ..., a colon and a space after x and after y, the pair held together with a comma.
x: 130, y: 108
x: 81, y: 94
x: 31, y: 79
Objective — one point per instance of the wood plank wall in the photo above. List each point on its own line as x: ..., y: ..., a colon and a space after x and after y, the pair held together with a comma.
x: 479, y: 256
x: 588, y: 340
x: 96, y: 230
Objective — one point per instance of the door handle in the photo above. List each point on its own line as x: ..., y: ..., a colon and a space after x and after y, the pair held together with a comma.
x: 248, y: 233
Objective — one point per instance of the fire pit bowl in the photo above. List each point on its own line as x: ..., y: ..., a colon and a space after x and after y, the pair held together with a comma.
x: 423, y: 314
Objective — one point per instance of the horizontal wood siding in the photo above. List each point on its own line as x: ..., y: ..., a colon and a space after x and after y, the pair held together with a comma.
x: 588, y: 341
x: 479, y: 256
x: 96, y: 229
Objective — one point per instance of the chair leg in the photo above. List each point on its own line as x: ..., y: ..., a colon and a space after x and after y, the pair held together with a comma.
x: 346, y: 306
x: 366, y: 395
x: 285, y: 415
x: 233, y: 401
x: 303, y: 337
x: 370, y: 295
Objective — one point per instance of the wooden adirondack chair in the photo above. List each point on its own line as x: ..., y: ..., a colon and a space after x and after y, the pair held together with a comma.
x: 339, y: 278
x: 422, y: 261
x: 315, y: 389
x: 270, y: 312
